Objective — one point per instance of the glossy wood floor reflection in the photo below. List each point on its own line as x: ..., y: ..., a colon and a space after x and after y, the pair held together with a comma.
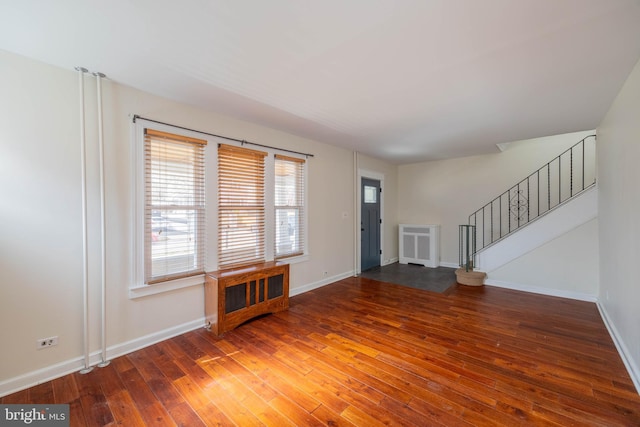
x: 366, y: 353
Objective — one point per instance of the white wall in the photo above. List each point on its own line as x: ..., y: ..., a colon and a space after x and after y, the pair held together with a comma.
x: 567, y: 266
x: 445, y: 192
x: 40, y: 208
x: 619, y: 225
x: 40, y: 215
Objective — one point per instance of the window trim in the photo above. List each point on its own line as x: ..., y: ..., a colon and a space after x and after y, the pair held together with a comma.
x: 270, y: 226
x: 232, y: 156
x: 302, y: 207
x: 175, y: 144
x: 137, y: 288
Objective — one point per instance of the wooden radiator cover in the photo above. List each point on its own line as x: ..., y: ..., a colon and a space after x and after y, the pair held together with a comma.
x: 231, y: 297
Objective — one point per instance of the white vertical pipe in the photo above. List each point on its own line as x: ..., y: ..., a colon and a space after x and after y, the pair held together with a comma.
x: 103, y: 232
x: 356, y: 202
x: 85, y: 258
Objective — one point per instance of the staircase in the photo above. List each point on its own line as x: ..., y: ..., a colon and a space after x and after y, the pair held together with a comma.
x: 549, y: 202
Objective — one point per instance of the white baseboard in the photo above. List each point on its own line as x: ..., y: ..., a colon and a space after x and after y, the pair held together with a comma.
x: 449, y: 264
x: 390, y: 261
x: 58, y: 370
x: 543, y: 291
x: 327, y: 280
x: 623, y: 351
x: 156, y: 337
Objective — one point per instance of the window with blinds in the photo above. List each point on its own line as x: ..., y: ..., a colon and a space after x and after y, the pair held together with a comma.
x: 174, y: 206
x: 289, y: 206
x: 241, y: 206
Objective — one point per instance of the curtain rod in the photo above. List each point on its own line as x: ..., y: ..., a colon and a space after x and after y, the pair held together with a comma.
x: 242, y: 141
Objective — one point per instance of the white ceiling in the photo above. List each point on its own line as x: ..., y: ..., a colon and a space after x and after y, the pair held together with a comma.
x: 402, y: 80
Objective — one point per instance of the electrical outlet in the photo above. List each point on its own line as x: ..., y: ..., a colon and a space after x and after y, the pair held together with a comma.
x: 47, y: 342
x: 325, y: 273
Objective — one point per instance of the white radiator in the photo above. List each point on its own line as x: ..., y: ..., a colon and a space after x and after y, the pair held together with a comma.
x: 419, y: 244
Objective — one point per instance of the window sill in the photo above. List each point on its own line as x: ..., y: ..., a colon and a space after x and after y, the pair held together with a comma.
x: 294, y: 259
x: 146, y: 290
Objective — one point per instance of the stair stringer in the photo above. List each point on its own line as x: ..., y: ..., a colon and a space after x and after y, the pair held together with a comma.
x: 576, y: 211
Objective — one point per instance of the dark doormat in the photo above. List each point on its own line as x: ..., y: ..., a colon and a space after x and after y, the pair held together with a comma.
x: 437, y: 279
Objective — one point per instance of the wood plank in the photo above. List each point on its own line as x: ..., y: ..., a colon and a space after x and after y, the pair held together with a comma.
x: 94, y: 402
x: 295, y: 413
x: 330, y: 418
x: 249, y: 379
x: 108, y: 380
x: 163, y: 360
x: 42, y: 393
x: 152, y: 411
x: 208, y: 412
x: 371, y: 381
x: 76, y: 414
x: 124, y: 409
x: 359, y: 417
x: 244, y: 393
x: 21, y: 396
x: 183, y: 415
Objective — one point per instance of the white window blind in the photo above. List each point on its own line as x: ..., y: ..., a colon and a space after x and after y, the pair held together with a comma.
x: 174, y: 206
x: 289, y: 206
x: 241, y: 211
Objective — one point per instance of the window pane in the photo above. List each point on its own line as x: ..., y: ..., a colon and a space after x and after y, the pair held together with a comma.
x: 241, y: 236
x: 289, y: 206
x: 287, y: 229
x: 174, y: 246
x: 174, y: 206
x: 370, y: 194
x: 240, y: 206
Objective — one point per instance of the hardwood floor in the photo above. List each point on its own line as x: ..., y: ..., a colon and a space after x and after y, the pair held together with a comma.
x: 366, y: 353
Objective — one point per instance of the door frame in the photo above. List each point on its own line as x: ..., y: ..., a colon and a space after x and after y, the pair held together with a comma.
x: 364, y: 173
